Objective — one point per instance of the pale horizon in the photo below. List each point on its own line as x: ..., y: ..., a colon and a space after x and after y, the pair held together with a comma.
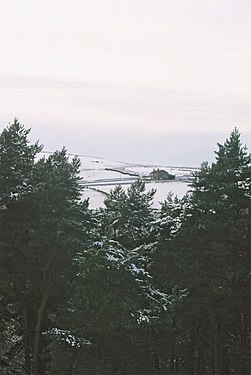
x: 157, y: 82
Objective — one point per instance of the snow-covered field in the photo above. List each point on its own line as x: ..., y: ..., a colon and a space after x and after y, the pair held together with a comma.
x: 96, y: 198
x: 99, y: 176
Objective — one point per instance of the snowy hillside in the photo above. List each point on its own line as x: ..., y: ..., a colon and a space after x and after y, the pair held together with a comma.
x: 99, y: 176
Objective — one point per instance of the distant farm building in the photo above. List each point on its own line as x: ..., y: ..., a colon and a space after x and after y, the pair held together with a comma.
x: 161, y: 174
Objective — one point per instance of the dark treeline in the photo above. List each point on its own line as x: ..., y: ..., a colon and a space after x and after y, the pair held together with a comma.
x: 125, y: 289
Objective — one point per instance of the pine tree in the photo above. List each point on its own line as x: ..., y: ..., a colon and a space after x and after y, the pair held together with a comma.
x: 17, y: 160
x: 222, y: 214
x: 42, y: 229
x: 208, y: 252
x: 130, y: 215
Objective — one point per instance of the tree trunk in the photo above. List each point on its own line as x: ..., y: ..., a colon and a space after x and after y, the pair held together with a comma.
x: 172, y: 362
x: 38, y: 327
x: 26, y: 342
x: 71, y: 363
x: 225, y: 361
x: 191, y: 353
x: 243, y: 344
x: 215, y: 345
x: 156, y: 361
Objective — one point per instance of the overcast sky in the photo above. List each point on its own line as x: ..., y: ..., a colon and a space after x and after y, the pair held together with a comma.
x: 156, y: 81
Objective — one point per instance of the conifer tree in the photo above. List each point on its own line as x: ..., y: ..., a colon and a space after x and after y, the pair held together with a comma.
x: 17, y: 160
x: 130, y: 215
x: 222, y: 214
x: 42, y: 229
x: 210, y: 255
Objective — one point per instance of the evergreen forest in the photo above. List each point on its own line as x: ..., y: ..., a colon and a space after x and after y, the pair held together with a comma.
x: 125, y: 289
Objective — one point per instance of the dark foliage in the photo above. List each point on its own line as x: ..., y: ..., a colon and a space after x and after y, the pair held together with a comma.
x: 124, y: 289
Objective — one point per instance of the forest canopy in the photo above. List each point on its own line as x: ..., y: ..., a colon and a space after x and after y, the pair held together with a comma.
x: 124, y: 289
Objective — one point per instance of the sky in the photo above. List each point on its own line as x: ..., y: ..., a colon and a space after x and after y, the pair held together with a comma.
x: 148, y: 81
